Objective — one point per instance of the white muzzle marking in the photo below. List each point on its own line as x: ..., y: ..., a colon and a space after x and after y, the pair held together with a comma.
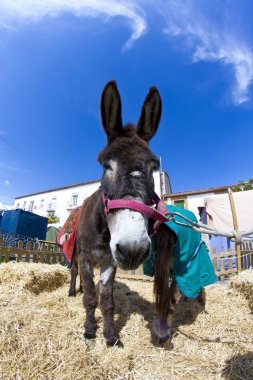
x: 128, y: 228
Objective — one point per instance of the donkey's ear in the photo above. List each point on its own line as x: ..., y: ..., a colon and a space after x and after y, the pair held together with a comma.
x: 111, y: 111
x: 150, y: 115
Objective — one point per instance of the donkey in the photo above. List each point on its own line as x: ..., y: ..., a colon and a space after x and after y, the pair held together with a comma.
x: 119, y: 237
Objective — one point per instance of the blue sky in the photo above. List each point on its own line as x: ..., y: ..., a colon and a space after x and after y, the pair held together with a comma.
x: 57, y: 55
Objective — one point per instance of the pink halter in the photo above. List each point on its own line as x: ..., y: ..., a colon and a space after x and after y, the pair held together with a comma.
x: 158, y: 213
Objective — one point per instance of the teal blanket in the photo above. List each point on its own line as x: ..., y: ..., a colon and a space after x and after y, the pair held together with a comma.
x: 192, y: 265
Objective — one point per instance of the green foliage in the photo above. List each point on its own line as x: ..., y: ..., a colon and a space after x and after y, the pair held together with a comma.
x: 244, y: 185
x: 52, y: 218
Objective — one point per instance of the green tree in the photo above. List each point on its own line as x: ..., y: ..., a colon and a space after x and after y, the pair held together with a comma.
x: 244, y: 185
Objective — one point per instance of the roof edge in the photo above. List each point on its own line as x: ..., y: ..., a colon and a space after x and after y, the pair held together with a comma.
x: 59, y: 188
x: 192, y: 192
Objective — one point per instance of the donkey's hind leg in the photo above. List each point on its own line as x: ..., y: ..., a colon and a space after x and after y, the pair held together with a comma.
x: 73, y: 272
x: 89, y: 298
x: 107, y: 304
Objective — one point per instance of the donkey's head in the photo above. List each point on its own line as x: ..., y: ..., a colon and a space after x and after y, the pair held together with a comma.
x: 128, y: 173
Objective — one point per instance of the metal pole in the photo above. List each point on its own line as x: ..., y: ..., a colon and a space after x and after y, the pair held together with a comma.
x: 161, y: 178
x: 235, y: 223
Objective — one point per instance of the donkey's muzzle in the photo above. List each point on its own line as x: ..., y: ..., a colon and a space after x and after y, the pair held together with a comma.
x: 129, y: 257
x: 130, y: 242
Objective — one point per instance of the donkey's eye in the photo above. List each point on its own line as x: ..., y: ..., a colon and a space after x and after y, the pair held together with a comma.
x: 107, y: 166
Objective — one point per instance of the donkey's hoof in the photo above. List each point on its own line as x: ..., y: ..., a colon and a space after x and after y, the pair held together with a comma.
x: 168, y: 345
x: 161, y: 333
x: 114, y: 343
x: 89, y: 336
x: 72, y: 293
x: 165, y: 341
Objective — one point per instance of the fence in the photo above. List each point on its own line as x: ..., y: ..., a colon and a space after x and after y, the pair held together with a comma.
x: 41, y: 252
x: 226, y: 264
x: 137, y: 274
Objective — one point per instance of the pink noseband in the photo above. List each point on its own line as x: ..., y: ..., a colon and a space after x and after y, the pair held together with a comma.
x: 158, y: 213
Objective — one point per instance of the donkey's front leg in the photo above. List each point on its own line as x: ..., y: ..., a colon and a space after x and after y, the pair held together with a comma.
x: 107, y: 304
x: 89, y: 298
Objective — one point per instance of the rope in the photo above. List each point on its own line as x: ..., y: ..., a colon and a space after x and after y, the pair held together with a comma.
x: 237, y: 237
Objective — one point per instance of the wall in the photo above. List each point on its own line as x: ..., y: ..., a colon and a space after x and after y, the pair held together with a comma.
x: 63, y: 200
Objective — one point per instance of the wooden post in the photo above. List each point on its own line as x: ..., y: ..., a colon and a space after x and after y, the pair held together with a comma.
x: 214, y: 259
x: 235, y: 222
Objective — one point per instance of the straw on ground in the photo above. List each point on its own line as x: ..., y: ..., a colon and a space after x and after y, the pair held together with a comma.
x: 41, y: 332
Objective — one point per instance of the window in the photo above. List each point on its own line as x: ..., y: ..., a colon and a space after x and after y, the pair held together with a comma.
x: 31, y: 206
x: 17, y: 206
x: 24, y: 205
x: 74, y: 199
x: 41, y: 203
x: 179, y: 203
x: 52, y: 205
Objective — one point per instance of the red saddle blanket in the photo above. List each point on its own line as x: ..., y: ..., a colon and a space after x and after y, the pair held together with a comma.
x: 66, y: 238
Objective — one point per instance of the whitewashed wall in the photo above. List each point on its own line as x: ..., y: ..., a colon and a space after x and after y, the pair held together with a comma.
x: 62, y: 202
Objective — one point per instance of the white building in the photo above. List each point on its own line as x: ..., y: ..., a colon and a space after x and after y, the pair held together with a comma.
x: 62, y: 200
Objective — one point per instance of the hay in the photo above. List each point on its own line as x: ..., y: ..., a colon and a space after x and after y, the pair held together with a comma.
x: 33, y: 277
x: 243, y: 282
x: 41, y: 336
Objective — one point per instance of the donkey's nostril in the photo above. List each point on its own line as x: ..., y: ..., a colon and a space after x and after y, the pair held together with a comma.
x: 122, y: 250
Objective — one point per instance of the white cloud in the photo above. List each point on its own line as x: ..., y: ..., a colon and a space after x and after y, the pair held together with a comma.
x: 7, y: 182
x: 13, y: 12
x: 210, y: 28
x: 212, y: 36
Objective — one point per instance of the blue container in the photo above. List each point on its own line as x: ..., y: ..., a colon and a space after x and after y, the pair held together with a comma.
x: 25, y: 223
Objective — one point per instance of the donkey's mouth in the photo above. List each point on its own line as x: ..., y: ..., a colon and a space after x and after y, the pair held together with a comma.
x: 128, y: 260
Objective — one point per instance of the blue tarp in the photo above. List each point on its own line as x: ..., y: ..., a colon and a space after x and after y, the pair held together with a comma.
x: 25, y: 223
